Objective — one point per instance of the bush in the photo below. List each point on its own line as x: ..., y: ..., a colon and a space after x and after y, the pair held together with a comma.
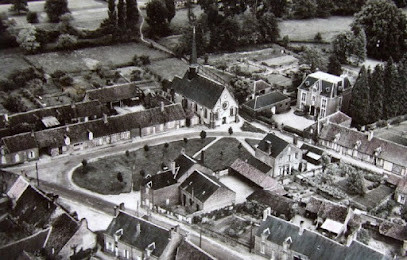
x: 127, y: 153
x: 318, y: 37
x: 146, y: 148
x: 66, y: 80
x: 67, y: 41
x: 166, y: 145
x: 32, y: 17
x: 230, y: 130
x: 185, y: 140
x: 203, y: 134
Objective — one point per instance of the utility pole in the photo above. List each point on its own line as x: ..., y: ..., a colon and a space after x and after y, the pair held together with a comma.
x: 36, y: 170
x: 200, y: 236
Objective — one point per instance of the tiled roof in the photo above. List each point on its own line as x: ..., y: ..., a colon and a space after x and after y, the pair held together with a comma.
x: 114, y: 93
x: 79, y: 132
x: 277, y: 144
x: 402, y: 186
x: 338, y: 118
x: 254, y: 175
x: 393, y: 230
x: 148, y: 233
x: 281, y: 205
x: 259, y: 165
x: 312, y: 244
x: 20, y: 142
x: 63, y: 228
x: 327, y: 209
x: 201, y: 185
x: 188, y: 250
x: 160, y: 180
x: 390, y: 151
x: 200, y: 89
x: 184, y: 162
x: 260, y: 85
x: 266, y: 100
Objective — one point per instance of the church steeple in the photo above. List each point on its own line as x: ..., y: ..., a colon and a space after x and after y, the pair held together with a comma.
x: 193, y: 59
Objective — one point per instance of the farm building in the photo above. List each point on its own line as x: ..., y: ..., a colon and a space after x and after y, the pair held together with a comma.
x: 268, y: 104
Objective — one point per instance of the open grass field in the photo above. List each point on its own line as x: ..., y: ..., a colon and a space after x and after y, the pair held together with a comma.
x: 304, y: 30
x: 101, y: 176
x: 84, y: 59
x: 223, y: 153
x: 11, y: 62
x: 168, y: 68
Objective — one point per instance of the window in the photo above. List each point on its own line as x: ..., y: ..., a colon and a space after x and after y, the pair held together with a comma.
x: 303, y: 96
x: 109, y: 246
x: 206, y: 113
x: 323, y: 103
x: 31, y: 154
x: 263, y: 247
x: 296, y: 155
x: 126, y: 254
x: 231, y: 111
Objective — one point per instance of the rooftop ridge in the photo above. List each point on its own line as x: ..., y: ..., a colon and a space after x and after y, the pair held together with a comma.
x: 144, y: 220
x: 198, y: 171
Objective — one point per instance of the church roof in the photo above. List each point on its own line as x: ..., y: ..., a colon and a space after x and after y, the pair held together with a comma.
x: 200, y: 89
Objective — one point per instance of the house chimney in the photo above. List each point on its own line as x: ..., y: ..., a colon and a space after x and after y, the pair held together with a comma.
x: 162, y: 106
x: 268, y: 147
x: 105, y: 118
x: 266, y: 212
x: 121, y: 206
x: 301, y: 227
x: 370, y: 135
x: 90, y: 135
x: 116, y: 210
x: 202, y: 156
x: 5, y: 117
x: 138, y: 230
x: 32, y: 133
x: 67, y: 128
x: 172, y: 165
x: 73, y: 105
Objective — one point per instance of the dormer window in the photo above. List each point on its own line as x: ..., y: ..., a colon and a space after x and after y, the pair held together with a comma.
x: 357, y: 144
x: 265, y: 233
x: 149, y: 184
x: 337, y: 136
x: 118, y: 234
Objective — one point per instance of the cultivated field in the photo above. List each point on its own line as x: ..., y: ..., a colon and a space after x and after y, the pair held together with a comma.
x: 168, y: 68
x: 305, y: 30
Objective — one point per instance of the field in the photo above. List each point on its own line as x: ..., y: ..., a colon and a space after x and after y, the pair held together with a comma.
x: 168, y: 68
x: 101, y: 175
x: 84, y: 59
x: 10, y: 62
x: 305, y: 30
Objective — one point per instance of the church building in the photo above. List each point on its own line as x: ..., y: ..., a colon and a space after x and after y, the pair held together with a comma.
x: 206, y: 97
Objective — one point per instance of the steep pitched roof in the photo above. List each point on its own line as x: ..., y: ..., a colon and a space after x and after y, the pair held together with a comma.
x: 188, y: 250
x: 184, y: 162
x: 312, y: 244
x: 254, y: 175
x: 393, y: 230
x: 139, y: 232
x: 347, y: 137
x: 115, y: 92
x: 160, y: 180
x: 201, y: 185
x: 266, y: 100
x: 200, y: 89
x: 279, y: 204
x: 327, y: 209
x: 338, y: 118
x: 63, y: 228
x: 277, y: 145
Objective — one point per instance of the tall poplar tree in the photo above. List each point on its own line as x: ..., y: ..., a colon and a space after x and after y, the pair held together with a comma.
x: 171, y: 9
x: 19, y: 6
x: 376, y: 94
x: 392, y: 90
x: 121, y: 16
x: 360, y: 101
x: 132, y: 15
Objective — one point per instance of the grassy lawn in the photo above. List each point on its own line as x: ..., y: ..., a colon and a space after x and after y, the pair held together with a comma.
x: 84, y: 59
x: 250, y: 128
x: 304, y: 30
x: 168, y: 68
x: 223, y: 153
x: 101, y: 175
x: 11, y: 62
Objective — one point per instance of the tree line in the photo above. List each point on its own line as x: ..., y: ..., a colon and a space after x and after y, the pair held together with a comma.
x: 379, y: 94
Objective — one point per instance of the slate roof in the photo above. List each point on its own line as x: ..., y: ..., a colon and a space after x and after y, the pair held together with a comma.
x: 201, y: 185
x: 200, y: 89
x: 312, y: 244
x: 310, y: 148
x: 390, y: 151
x: 260, y: 85
x: 393, y: 230
x: 188, y: 250
x: 266, y: 100
x: 277, y: 144
x: 279, y: 204
x: 149, y: 233
x: 63, y: 228
x: 329, y: 83
x: 279, y: 80
x: 184, y: 162
x: 19, y: 142
x: 115, y: 92
x: 254, y: 175
x: 338, y: 118
x: 160, y: 180
x: 79, y: 132
x: 402, y: 186
x: 327, y: 209
x: 259, y: 165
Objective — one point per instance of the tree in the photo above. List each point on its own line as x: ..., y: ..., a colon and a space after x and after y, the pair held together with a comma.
x: 185, y: 43
x: 350, y: 47
x: 157, y: 15
x: 356, y: 182
x: 84, y: 163
x: 67, y: 41
x: 376, y: 94
x: 250, y: 32
x: 360, y: 101
x: 121, y: 16
x: 132, y: 16
x: 268, y: 27
x: 226, y: 35
x: 27, y: 39
x: 170, y: 5
x: 334, y: 66
x: 119, y: 176
x: 393, y: 91
x: 324, y: 8
x: 56, y: 8
x: 109, y: 25
x: 304, y: 9
x: 32, y: 17
x: 358, y: 45
x: 202, y: 134
x: 241, y: 89
x: 313, y: 58
x: 342, y: 46
x: 19, y: 6
x: 230, y: 130
x: 385, y: 28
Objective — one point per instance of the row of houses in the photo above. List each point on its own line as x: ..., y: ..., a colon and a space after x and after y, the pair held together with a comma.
x: 107, y: 130
x: 389, y: 156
